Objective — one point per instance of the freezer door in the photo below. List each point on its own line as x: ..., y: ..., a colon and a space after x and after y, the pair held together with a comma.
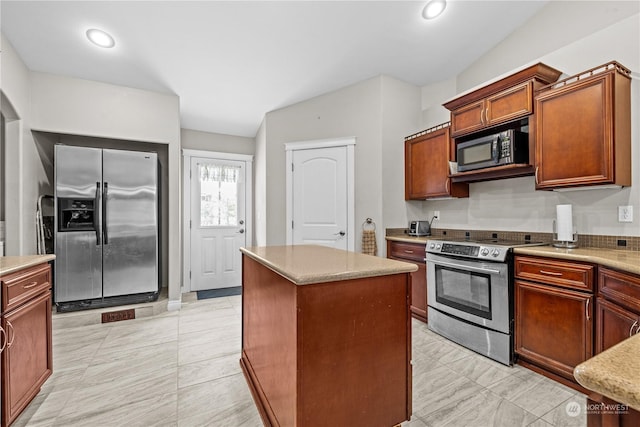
x: 130, y: 222
x: 78, y: 267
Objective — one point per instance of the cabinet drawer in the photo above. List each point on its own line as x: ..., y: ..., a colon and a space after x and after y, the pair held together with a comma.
x: 20, y: 286
x: 552, y: 271
x: 622, y: 288
x: 408, y: 251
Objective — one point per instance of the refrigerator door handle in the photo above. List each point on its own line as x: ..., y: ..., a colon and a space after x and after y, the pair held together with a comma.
x: 104, y: 213
x: 96, y: 221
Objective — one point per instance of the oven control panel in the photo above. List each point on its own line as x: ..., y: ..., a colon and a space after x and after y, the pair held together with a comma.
x: 467, y: 250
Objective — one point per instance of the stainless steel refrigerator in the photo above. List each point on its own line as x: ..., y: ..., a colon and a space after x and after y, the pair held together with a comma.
x: 106, y: 227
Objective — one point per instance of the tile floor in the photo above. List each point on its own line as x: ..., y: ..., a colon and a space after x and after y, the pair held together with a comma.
x: 181, y: 369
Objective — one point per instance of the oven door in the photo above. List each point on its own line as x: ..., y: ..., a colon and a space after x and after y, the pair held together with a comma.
x: 472, y: 290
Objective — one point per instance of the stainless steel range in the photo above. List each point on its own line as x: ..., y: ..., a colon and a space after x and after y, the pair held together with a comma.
x: 470, y: 294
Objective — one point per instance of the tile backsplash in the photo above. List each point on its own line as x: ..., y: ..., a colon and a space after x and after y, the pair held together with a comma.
x: 629, y: 243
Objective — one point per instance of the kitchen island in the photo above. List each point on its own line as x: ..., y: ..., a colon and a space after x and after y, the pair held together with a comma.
x: 326, y: 336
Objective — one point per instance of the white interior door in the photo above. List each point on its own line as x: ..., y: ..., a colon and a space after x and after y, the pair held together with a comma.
x: 217, y: 222
x: 320, y: 197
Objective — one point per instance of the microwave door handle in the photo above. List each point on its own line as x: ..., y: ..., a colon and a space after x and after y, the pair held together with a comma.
x: 495, y: 153
x: 466, y: 267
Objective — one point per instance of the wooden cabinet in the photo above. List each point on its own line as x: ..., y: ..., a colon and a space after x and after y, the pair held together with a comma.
x: 27, y: 358
x: 505, y: 106
x: 426, y: 159
x: 553, y: 314
x: 583, y: 130
x: 414, y: 253
x: 618, y: 307
x: 504, y: 100
x: 617, y: 318
x: 507, y: 103
x: 320, y: 354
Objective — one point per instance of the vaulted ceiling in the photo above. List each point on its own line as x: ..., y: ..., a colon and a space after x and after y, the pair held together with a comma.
x: 231, y: 62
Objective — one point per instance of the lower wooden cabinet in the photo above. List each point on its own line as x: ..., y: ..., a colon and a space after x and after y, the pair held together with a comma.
x: 614, y: 324
x: 554, y: 314
x: 554, y: 327
x: 27, y: 358
x: 414, y: 253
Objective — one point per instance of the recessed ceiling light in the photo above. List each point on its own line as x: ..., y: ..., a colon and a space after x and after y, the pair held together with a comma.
x: 100, y: 38
x: 433, y: 8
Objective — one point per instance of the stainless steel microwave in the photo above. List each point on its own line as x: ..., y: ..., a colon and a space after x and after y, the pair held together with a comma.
x: 503, y: 148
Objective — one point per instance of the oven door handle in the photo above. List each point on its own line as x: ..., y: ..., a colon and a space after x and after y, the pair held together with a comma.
x: 466, y: 267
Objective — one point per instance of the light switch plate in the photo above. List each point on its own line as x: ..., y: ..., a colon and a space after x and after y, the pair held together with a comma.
x: 625, y: 213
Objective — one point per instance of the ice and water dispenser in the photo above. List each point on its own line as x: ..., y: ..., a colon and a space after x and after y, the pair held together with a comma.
x: 76, y: 214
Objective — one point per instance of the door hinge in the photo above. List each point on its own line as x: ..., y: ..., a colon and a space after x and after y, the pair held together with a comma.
x: 189, y: 223
x: 189, y: 274
x: 291, y: 167
x: 291, y: 224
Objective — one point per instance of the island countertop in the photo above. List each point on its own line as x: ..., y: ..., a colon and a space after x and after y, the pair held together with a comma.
x: 10, y: 264
x: 308, y: 264
x: 614, y: 373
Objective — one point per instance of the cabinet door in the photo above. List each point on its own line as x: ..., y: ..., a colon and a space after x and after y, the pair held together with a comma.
x: 510, y: 104
x: 554, y: 327
x: 27, y: 360
x: 613, y: 324
x: 468, y: 118
x: 574, y: 134
x: 427, y: 167
x: 414, y: 253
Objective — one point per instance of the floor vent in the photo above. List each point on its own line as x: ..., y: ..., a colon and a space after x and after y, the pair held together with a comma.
x: 116, y: 316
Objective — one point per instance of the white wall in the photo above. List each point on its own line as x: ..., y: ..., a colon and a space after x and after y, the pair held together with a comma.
x: 513, y: 204
x: 400, y: 117
x: 378, y: 112
x: 260, y: 187
x: 64, y: 105
x: 22, y: 171
x: 197, y: 140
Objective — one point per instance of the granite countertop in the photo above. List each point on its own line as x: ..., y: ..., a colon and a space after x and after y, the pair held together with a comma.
x: 308, y: 264
x: 614, y: 373
x: 628, y: 261
x: 10, y: 264
x: 408, y: 239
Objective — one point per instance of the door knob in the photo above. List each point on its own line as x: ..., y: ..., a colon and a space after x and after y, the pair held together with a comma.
x: 341, y: 233
x: 241, y: 231
x: 241, y: 221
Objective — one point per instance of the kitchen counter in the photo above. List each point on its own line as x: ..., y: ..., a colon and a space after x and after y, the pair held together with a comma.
x: 409, y: 239
x: 628, y: 261
x: 319, y: 326
x: 10, y: 264
x: 614, y: 373
x: 309, y: 264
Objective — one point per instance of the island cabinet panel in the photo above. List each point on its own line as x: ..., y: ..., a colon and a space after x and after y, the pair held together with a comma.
x: 427, y: 155
x: 327, y: 354
x: 590, y: 118
x: 414, y: 253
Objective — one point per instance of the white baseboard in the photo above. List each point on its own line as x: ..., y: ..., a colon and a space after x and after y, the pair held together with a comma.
x: 174, y: 305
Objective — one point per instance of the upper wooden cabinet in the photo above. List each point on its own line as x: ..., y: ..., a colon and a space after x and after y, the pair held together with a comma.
x: 507, y: 99
x: 583, y: 130
x: 505, y: 106
x: 426, y: 160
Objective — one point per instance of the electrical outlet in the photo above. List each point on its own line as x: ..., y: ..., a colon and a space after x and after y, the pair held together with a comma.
x: 625, y: 213
x: 436, y: 215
